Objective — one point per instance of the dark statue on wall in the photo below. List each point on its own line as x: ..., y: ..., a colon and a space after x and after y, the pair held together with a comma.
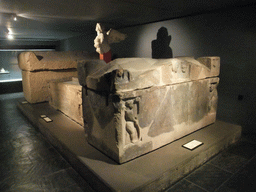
x: 160, y: 46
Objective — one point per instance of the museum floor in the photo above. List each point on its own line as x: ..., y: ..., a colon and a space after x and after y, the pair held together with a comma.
x: 29, y: 163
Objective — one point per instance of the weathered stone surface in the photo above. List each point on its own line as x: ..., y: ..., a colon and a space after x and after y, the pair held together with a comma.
x: 51, y: 60
x: 38, y: 68
x: 140, y: 73
x: 66, y: 96
x: 36, y: 84
x: 86, y: 68
x: 133, y: 106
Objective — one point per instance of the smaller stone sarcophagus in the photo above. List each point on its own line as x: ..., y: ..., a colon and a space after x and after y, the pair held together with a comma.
x: 135, y: 105
x: 66, y: 96
x: 39, y: 68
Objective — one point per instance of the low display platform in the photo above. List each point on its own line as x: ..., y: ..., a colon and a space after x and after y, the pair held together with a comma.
x: 154, y: 171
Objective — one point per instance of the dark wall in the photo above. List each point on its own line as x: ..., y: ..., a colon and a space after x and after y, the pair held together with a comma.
x: 22, y: 44
x: 83, y: 43
x: 10, y: 87
x: 229, y: 34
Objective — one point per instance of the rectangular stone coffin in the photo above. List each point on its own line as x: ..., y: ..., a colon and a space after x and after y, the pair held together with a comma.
x: 133, y: 106
x: 38, y: 68
x: 66, y: 96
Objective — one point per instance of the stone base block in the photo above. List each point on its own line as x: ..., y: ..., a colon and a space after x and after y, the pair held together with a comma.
x: 155, y: 171
x: 67, y: 97
x: 36, y: 84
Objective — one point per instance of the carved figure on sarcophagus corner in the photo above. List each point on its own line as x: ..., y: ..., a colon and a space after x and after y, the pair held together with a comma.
x: 132, y: 125
x: 119, y: 76
x: 213, y: 101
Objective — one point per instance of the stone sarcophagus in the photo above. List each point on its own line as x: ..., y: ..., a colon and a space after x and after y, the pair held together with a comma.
x: 135, y: 105
x: 66, y: 96
x: 39, y: 68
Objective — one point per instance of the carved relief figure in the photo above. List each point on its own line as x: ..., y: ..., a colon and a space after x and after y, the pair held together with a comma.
x: 119, y: 76
x: 184, y: 67
x: 175, y: 67
x: 132, y: 125
x: 213, y: 97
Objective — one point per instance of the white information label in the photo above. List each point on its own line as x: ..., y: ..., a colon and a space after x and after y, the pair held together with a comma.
x: 43, y: 116
x: 24, y: 102
x: 47, y: 119
x: 192, y: 144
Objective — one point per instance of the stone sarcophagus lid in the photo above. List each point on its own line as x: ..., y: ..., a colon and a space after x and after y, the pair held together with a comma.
x: 132, y: 106
x: 39, y: 68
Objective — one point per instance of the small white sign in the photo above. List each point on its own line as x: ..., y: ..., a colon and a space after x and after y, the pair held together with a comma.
x: 43, y: 116
x: 192, y: 144
x: 24, y: 102
x: 47, y: 119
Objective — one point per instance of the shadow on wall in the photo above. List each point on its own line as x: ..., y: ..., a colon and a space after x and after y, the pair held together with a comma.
x: 160, y: 46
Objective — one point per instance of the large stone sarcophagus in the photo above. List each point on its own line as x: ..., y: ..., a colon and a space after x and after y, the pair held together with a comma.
x: 132, y: 106
x: 66, y: 96
x: 40, y: 67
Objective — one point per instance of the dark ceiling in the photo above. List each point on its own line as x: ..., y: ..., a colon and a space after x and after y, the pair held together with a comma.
x: 61, y: 19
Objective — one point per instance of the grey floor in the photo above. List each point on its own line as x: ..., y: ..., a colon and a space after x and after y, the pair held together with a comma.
x: 29, y: 163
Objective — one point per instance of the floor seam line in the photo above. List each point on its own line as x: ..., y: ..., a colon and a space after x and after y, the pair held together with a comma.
x: 196, y: 185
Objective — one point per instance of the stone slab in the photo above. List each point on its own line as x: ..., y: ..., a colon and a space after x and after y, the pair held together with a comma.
x: 66, y: 96
x: 154, y: 171
x: 126, y: 74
